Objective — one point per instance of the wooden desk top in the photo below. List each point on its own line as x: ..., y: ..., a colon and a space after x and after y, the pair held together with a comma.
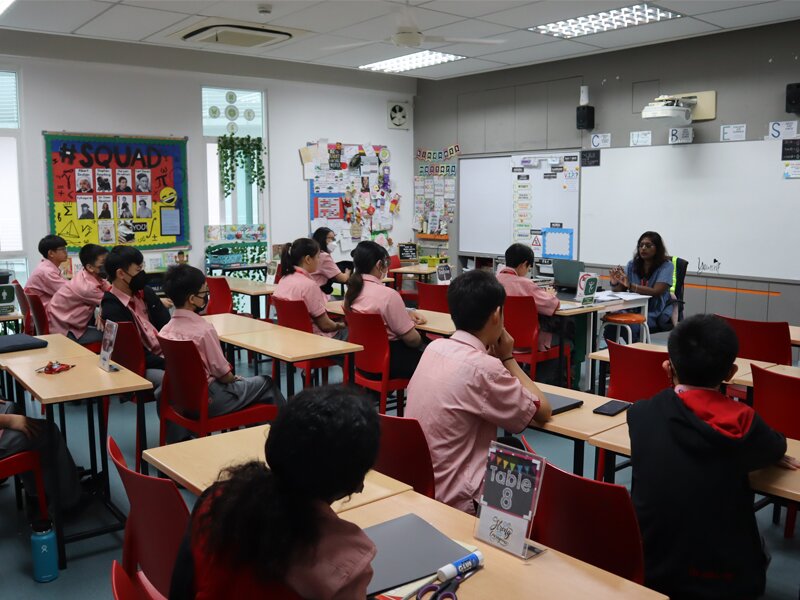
x: 415, y: 270
x: 786, y: 370
x: 85, y: 380
x: 250, y: 287
x: 437, y: 322
x: 794, y: 334
x: 617, y: 439
x: 579, y: 423
x: 290, y: 345
x: 196, y: 464
x: 14, y: 316
x: 602, y: 355
x: 59, y: 347
x: 551, y: 575
x: 230, y: 324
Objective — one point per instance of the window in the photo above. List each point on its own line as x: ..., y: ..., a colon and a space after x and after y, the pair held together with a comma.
x: 239, y: 112
x: 11, y: 222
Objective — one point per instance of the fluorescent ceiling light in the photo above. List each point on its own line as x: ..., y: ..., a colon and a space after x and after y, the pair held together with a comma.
x: 4, y: 4
x: 629, y: 16
x: 411, y: 61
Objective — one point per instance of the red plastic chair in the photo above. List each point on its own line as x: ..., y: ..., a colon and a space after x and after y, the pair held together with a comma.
x: 776, y: 398
x: 636, y: 374
x: 21, y: 463
x: 410, y: 295
x: 184, y: 395
x: 522, y: 323
x: 294, y: 314
x: 567, y: 520
x: 404, y: 454
x: 129, y: 352
x: 125, y: 588
x: 368, y: 330
x: 155, y: 526
x: 24, y: 307
x: 41, y: 324
x: 769, y: 341
x: 432, y: 297
x: 221, y: 298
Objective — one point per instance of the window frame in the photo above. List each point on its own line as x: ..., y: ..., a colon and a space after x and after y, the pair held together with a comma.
x: 16, y: 134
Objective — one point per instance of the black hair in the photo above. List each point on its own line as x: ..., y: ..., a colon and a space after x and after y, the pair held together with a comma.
x: 182, y: 281
x: 516, y: 254
x: 51, y: 242
x: 321, y: 237
x: 702, y: 349
x: 659, y: 258
x: 319, y: 449
x: 365, y: 255
x: 122, y: 257
x: 293, y: 253
x: 90, y: 253
x: 473, y: 297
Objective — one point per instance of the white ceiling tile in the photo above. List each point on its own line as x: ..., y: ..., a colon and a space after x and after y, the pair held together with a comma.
x: 541, y: 13
x: 162, y: 37
x: 122, y: 22
x: 307, y: 48
x: 189, y: 7
x: 557, y: 49
x: 470, y: 28
x: 384, y: 26
x: 247, y: 10
x: 61, y: 16
x: 329, y: 16
x: 453, y: 69
x: 513, y: 40
x: 698, y: 7
x: 755, y: 15
x: 473, y: 8
x: 366, y: 55
x: 650, y: 33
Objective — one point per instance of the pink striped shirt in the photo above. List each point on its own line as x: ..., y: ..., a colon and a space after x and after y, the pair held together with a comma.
x: 189, y: 326
x: 71, y: 308
x: 546, y: 303
x: 147, y: 331
x: 300, y: 286
x: 45, y: 281
x: 381, y: 299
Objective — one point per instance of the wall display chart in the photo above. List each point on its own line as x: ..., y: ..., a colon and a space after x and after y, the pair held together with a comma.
x: 434, y: 203
x: 113, y: 190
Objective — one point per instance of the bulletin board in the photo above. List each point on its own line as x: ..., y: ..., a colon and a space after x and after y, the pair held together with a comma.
x: 111, y: 190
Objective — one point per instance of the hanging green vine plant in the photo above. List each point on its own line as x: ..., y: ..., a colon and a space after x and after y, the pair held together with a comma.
x: 245, y: 152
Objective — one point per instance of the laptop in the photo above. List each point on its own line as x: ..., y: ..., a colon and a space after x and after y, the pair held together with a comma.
x: 566, y: 273
x: 561, y: 404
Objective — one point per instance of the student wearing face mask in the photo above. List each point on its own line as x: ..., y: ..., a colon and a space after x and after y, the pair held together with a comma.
x: 71, y: 310
x: 327, y: 271
x: 186, y: 286
x: 129, y: 299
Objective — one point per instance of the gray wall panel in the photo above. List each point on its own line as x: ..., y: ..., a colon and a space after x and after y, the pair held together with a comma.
x: 695, y: 298
x: 499, y: 107
x: 531, y: 116
x: 786, y: 305
x: 752, y: 306
x: 562, y: 98
x: 471, y: 123
x: 721, y: 302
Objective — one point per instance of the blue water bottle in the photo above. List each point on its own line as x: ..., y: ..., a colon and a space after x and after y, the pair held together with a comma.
x: 44, y: 551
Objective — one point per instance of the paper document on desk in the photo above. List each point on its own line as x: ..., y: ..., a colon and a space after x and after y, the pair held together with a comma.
x: 629, y: 296
x: 605, y: 296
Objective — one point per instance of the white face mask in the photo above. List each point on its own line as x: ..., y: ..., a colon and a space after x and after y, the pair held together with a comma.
x: 331, y: 247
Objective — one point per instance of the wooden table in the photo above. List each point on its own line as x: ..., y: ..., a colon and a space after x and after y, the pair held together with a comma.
x: 794, y: 334
x: 254, y: 289
x: 229, y: 324
x: 85, y: 381
x: 550, y: 575
x: 58, y: 347
x: 436, y: 322
x: 196, y: 464
x: 418, y: 270
x: 578, y: 424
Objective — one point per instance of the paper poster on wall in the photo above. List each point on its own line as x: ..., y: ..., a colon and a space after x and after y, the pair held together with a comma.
x: 109, y: 190
x: 791, y: 169
x: 558, y: 243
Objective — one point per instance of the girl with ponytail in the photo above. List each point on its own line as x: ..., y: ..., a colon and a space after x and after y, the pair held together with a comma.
x: 367, y: 294
x: 298, y: 260
x: 264, y: 526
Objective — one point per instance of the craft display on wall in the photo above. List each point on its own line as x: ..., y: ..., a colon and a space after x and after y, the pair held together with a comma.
x: 113, y: 190
x: 434, y: 204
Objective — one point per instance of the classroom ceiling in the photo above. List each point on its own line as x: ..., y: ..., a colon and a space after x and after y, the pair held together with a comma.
x: 321, y: 28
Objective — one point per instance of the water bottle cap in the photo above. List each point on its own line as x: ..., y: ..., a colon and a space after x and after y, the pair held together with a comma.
x: 42, y: 526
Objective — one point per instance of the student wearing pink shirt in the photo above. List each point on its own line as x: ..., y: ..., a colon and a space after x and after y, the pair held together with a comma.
x: 46, y: 278
x: 264, y: 527
x: 367, y: 294
x: 469, y: 385
x: 186, y: 286
x: 298, y: 261
x: 514, y: 278
x: 71, y: 310
x: 327, y: 271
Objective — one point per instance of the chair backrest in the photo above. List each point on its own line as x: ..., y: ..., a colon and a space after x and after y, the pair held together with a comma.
x: 293, y: 313
x: 24, y: 307
x: 156, y: 523
x: 681, y: 267
x: 368, y: 330
x: 278, y: 273
x: 404, y: 454
x: 128, y: 348
x: 125, y: 588
x: 769, y: 341
x: 569, y: 518
x: 394, y: 263
x: 41, y: 324
x: 221, y: 300
x: 522, y: 321
x: 776, y: 398
x: 636, y: 374
x: 432, y: 297
x: 185, y: 385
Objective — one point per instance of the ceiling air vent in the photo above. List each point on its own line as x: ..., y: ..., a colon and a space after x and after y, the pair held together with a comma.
x: 213, y: 32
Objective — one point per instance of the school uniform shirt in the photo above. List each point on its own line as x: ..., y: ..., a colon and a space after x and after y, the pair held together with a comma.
x: 138, y: 310
x: 460, y: 395
x: 300, y: 286
x: 546, y: 303
x: 657, y: 305
x: 45, y: 281
x: 383, y: 300
x: 691, y: 451
x: 326, y: 271
x: 72, y: 306
x: 189, y: 326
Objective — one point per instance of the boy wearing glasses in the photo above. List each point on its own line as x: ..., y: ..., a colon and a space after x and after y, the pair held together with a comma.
x: 186, y: 286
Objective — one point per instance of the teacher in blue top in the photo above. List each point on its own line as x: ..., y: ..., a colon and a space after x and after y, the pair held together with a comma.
x: 649, y: 274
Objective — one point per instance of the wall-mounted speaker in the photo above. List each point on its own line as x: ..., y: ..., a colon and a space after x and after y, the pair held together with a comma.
x: 584, y: 117
x: 793, y: 98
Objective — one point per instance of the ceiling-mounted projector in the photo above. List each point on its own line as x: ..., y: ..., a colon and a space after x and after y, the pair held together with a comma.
x: 676, y: 110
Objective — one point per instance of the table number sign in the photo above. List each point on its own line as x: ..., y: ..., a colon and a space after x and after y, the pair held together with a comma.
x: 109, y: 337
x: 587, y: 288
x: 510, y: 492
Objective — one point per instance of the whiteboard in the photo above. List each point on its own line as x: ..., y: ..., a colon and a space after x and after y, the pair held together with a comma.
x: 725, y: 201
